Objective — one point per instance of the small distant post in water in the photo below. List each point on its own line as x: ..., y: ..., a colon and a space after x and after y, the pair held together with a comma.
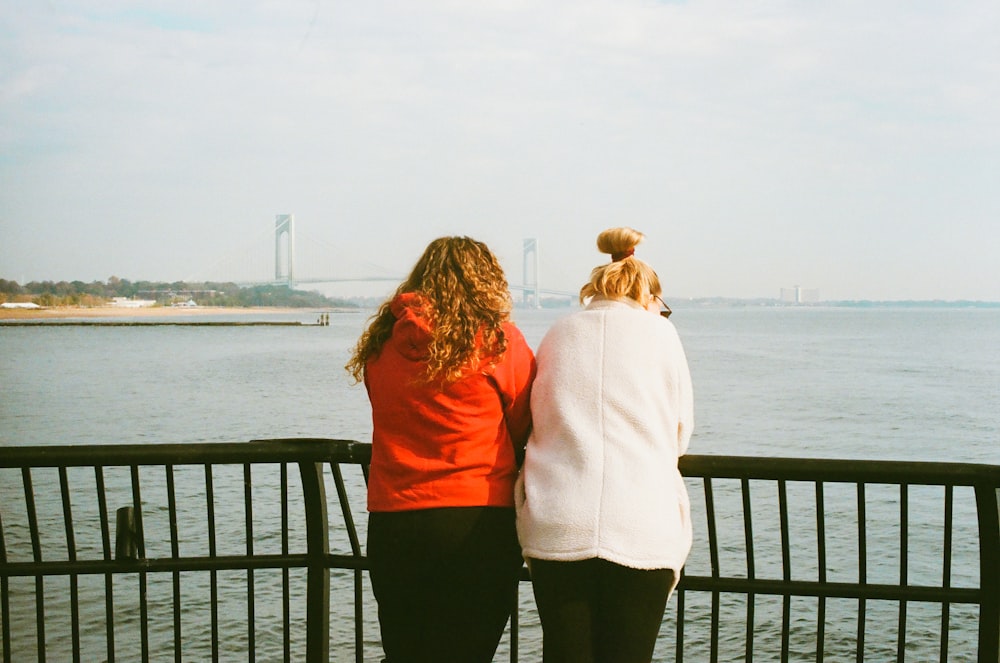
x: 126, y: 538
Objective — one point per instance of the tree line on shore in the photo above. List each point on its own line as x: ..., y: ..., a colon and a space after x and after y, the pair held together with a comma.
x: 97, y: 293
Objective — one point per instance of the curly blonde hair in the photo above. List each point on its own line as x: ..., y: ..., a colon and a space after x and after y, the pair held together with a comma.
x: 625, y: 275
x: 468, y: 300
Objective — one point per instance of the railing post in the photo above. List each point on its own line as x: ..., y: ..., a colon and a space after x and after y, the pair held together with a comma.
x: 318, y: 574
x: 988, y: 505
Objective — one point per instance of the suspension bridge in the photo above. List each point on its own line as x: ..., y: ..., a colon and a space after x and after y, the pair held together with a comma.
x: 253, y: 264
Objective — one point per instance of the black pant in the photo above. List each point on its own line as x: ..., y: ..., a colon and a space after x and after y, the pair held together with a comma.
x: 445, y: 581
x: 593, y: 611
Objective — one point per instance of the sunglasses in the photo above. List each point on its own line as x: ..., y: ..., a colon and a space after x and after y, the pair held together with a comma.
x: 665, y: 311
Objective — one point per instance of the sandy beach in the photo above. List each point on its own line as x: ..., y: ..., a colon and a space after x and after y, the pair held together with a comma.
x: 152, y: 312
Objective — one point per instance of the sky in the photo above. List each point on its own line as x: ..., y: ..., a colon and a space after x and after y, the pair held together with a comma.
x: 846, y: 146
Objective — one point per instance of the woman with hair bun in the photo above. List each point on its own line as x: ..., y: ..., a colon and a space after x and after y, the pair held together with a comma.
x: 449, y: 378
x: 603, y: 513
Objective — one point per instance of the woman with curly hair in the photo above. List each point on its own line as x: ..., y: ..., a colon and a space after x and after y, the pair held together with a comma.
x: 448, y: 377
x: 603, y: 513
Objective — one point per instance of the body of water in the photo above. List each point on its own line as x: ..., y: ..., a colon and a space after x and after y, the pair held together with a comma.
x: 857, y: 383
x: 881, y: 383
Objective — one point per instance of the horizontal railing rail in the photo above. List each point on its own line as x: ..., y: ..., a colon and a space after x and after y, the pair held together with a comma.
x: 217, y: 550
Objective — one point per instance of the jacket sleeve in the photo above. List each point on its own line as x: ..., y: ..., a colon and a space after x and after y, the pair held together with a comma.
x: 513, y: 377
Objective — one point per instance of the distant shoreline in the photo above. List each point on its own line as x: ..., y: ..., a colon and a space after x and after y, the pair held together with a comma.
x: 76, y: 312
x: 167, y: 312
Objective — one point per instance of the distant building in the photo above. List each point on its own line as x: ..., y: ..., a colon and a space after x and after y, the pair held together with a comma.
x: 799, y: 295
x: 125, y: 302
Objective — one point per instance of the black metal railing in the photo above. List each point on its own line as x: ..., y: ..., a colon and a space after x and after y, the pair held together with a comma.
x: 219, y: 551
x: 885, y: 517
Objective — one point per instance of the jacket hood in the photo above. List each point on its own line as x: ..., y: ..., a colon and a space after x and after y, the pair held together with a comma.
x: 412, y: 332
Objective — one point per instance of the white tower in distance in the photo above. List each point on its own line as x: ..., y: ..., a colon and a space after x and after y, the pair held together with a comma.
x: 529, y: 277
x: 284, y: 226
x: 799, y: 295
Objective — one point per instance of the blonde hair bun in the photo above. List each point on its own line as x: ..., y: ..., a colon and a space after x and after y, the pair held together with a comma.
x: 618, y: 241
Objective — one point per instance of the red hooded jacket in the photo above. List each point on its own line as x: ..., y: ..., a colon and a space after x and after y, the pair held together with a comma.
x: 449, y: 446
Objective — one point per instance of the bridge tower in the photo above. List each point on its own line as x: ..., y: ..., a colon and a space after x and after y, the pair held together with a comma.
x: 530, y: 275
x: 284, y: 229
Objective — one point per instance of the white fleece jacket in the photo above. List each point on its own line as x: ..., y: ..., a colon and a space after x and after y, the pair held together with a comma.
x: 612, y: 409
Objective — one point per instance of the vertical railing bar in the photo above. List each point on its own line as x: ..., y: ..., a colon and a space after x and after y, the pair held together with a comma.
x: 74, y: 583
x: 29, y: 504
x: 679, y: 630
x: 988, y: 506
x: 318, y: 573
x: 5, y: 611
x: 904, y: 552
x: 513, y: 621
x: 4, y: 597
x: 716, y: 609
x: 352, y: 535
x: 175, y: 553
x: 248, y: 510
x: 786, y: 564
x: 345, y: 509
x: 949, y: 514
x: 137, y: 506
x: 212, y: 552
x: 286, y: 608
x: 751, y: 565
x: 141, y: 541
x: 862, y: 570
x: 821, y: 567
x: 109, y: 584
x: 36, y: 553
x: 713, y: 546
